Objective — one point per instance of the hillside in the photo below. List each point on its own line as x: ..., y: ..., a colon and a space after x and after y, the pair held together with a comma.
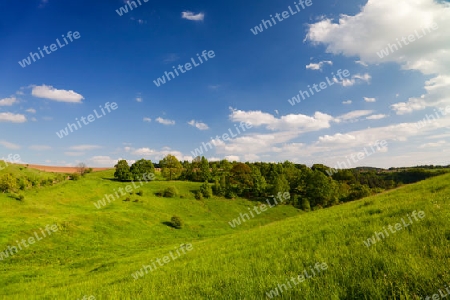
x: 97, y: 251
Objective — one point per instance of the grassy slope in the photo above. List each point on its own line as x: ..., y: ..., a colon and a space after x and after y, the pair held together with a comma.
x: 97, y: 250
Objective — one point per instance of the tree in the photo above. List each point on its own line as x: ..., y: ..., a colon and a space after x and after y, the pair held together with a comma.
x: 241, y: 176
x: 319, y: 189
x: 206, y: 190
x: 259, y: 182
x: 81, y: 168
x: 280, y: 185
x: 122, y: 172
x: 141, y: 167
x: 205, y: 173
x: 171, y: 168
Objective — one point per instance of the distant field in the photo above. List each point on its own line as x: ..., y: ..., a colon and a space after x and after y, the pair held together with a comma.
x: 96, y: 251
x: 58, y: 169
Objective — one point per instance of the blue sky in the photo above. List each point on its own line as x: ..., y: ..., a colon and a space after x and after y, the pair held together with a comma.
x: 249, y: 79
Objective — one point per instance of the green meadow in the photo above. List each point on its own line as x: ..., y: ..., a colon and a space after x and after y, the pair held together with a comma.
x: 95, y: 252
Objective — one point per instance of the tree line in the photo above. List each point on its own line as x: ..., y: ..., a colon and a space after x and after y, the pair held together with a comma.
x: 309, y: 187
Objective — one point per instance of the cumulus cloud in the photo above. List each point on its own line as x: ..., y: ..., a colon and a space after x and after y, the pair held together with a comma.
x: 347, y: 102
x: 376, y: 117
x: 318, y: 66
x: 12, y: 118
x: 192, y: 17
x: 367, y: 99
x: 8, y: 101
x: 198, y: 125
x: 51, y: 93
x: 382, y: 22
x: 165, y: 121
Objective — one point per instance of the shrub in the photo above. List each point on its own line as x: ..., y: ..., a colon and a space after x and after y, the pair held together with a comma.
x: 177, y: 222
x: 21, y: 198
x: 229, y: 194
x: 75, y: 176
x: 206, y: 190
x: 170, y: 192
x: 305, y: 204
x: 140, y: 193
x: 199, y: 195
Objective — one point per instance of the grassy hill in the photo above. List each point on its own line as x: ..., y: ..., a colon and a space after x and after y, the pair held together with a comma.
x: 96, y: 251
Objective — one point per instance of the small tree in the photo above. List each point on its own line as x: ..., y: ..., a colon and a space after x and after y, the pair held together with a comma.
x: 177, y: 222
x: 206, y: 190
x: 171, y: 168
x: 82, y: 168
x: 122, y: 172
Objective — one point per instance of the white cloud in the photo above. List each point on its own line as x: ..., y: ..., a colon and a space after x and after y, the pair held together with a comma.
x: 353, y: 115
x: 198, y: 125
x: 156, y: 155
x: 367, y: 99
x: 31, y: 111
x: 364, y: 77
x: 8, y: 101
x: 376, y: 117
x: 9, y: 145
x: 84, y: 147
x: 433, y: 145
x: 147, y: 120
x: 192, y: 17
x: 49, y: 92
x: 103, y: 161
x: 40, y: 147
x: 139, y: 99
x: 165, y: 121
x: 292, y: 122
x: 360, y: 62
x: 382, y: 22
x: 347, y: 102
x: 318, y: 66
x: 13, y: 118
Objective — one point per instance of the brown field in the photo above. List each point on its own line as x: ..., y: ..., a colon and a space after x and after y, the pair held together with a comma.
x: 59, y: 169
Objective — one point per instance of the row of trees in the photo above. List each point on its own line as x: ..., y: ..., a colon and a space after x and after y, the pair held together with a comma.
x: 308, y: 187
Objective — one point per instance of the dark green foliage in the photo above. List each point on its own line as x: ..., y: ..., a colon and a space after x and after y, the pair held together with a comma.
x: 171, y: 168
x: 141, y: 167
x: 170, y: 192
x: 198, y: 195
x: 177, y: 222
x: 206, y: 190
x: 140, y: 193
x: 305, y: 205
x: 75, y: 176
x: 122, y: 171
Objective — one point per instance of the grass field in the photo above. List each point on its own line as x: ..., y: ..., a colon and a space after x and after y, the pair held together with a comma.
x: 96, y: 251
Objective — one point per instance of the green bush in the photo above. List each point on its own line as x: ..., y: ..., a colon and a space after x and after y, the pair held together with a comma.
x: 206, y: 190
x: 177, y: 222
x: 170, y: 192
x: 75, y: 176
x: 140, y: 193
x: 199, y: 195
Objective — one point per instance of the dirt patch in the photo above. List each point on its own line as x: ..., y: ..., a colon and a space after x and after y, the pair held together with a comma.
x: 59, y: 169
